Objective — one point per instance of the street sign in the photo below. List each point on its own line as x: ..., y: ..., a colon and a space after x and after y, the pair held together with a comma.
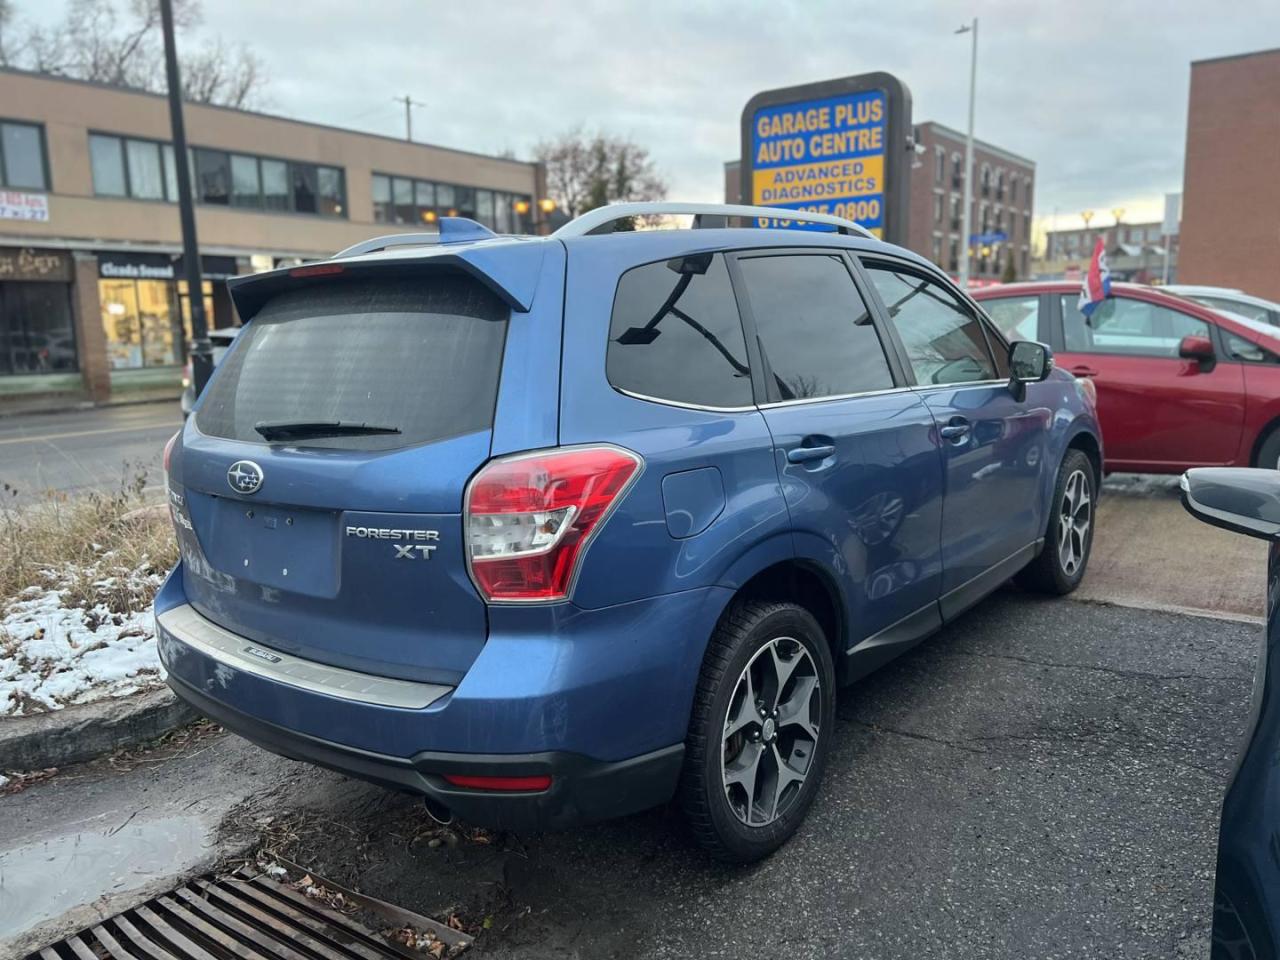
x: 998, y: 236
x: 839, y: 147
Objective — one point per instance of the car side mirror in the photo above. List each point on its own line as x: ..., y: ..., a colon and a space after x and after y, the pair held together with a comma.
x: 1242, y: 499
x: 1029, y: 362
x: 1197, y: 348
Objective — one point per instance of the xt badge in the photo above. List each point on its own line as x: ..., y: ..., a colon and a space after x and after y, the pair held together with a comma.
x: 412, y: 551
x: 421, y: 546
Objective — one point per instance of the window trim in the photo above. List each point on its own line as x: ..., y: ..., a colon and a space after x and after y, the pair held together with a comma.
x: 44, y: 157
x: 762, y: 371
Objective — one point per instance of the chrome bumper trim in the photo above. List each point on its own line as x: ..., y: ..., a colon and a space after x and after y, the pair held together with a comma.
x: 186, y: 626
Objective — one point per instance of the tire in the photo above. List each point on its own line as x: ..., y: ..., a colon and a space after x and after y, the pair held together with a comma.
x: 1269, y: 453
x: 1051, y: 572
x: 761, y: 641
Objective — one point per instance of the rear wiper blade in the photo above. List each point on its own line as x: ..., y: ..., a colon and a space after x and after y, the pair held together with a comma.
x: 305, y: 429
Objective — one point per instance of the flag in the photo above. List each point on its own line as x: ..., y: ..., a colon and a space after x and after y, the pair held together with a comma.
x: 1097, y: 282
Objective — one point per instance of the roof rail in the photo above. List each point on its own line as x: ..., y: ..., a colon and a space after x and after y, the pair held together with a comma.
x: 452, y: 230
x: 705, y: 215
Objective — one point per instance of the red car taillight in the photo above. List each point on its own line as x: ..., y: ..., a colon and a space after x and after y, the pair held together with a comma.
x: 530, y: 517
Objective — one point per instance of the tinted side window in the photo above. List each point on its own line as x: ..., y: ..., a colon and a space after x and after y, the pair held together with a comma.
x: 814, y: 328
x: 1127, y: 326
x: 676, y: 334
x: 945, y: 343
x: 1018, y: 318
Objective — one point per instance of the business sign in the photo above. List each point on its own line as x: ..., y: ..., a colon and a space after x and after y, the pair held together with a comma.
x: 839, y: 147
x: 26, y: 263
x: 135, y: 266
x: 24, y: 206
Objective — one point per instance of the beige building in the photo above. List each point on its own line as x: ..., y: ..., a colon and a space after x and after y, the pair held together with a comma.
x: 91, y: 301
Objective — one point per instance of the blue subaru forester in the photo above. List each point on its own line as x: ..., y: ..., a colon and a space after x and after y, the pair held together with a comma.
x: 555, y: 529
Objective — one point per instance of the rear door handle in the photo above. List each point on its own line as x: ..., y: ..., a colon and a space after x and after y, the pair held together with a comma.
x: 957, y: 429
x: 1083, y: 371
x: 809, y: 454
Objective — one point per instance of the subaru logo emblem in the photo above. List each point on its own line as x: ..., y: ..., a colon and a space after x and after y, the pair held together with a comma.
x: 244, y: 476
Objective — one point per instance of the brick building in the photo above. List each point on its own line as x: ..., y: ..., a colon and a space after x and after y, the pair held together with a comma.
x: 1003, y: 201
x: 1135, y: 252
x: 1231, y: 194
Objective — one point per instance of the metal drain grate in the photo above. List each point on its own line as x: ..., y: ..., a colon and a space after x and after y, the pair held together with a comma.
x: 246, y: 917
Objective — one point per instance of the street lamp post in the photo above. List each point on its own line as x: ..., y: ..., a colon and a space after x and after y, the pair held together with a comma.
x: 967, y: 220
x: 201, y: 348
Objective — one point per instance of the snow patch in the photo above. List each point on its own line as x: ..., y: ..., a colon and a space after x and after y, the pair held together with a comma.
x: 55, y: 652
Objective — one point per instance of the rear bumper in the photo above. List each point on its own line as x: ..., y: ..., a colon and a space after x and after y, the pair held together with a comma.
x: 581, y: 789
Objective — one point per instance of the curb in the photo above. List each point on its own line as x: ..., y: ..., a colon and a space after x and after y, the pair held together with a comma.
x: 79, y: 733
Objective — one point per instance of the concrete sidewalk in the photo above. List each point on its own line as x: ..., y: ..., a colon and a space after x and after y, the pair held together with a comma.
x: 1149, y: 552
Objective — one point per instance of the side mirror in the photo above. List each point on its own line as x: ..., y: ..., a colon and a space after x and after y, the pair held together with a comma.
x: 1242, y: 499
x: 1195, y: 347
x: 1029, y: 362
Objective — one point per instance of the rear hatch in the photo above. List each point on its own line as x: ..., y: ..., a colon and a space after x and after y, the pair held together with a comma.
x: 361, y: 405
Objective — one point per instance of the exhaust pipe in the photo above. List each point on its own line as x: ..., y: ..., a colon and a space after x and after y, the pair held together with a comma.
x: 437, y: 811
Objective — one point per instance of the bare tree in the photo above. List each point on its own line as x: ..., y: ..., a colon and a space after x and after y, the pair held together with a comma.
x: 98, y: 41
x: 230, y: 77
x: 585, y: 171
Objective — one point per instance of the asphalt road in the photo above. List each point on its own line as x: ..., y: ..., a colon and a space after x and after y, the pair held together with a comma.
x: 1041, y: 779
x: 85, y: 449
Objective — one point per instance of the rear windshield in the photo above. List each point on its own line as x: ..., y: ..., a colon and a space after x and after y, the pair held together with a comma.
x: 420, y: 355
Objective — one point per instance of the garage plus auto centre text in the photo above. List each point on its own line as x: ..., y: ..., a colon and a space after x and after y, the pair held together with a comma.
x: 825, y: 156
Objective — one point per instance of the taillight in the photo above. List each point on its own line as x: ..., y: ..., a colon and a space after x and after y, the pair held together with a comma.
x: 168, y: 452
x: 536, y: 783
x: 531, y: 517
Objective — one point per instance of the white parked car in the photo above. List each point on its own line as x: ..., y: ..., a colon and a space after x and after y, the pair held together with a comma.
x: 1233, y: 301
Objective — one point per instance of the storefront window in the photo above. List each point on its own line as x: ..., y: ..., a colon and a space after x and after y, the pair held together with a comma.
x: 36, y: 330
x: 147, y: 322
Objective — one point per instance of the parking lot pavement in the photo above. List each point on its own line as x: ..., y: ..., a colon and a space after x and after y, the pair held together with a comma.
x: 1041, y: 779
x: 1149, y: 552
x: 85, y: 449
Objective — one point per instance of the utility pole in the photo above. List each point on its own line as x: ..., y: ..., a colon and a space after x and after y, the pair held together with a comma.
x: 201, y: 349
x: 967, y: 220
x: 409, y: 104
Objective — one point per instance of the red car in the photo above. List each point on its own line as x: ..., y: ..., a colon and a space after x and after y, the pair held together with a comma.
x: 1179, y: 385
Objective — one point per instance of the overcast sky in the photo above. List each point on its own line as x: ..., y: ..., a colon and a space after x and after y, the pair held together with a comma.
x: 1094, y: 92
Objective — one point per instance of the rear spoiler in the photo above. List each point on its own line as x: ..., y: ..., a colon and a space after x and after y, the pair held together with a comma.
x: 508, y: 266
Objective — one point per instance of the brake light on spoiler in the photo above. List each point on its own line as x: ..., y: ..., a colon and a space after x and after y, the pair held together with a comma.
x: 530, y: 518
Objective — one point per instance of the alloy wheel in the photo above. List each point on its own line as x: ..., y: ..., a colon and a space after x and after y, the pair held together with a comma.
x: 771, y: 732
x: 1075, y: 514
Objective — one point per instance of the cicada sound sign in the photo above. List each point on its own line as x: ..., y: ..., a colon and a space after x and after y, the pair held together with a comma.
x: 839, y: 147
